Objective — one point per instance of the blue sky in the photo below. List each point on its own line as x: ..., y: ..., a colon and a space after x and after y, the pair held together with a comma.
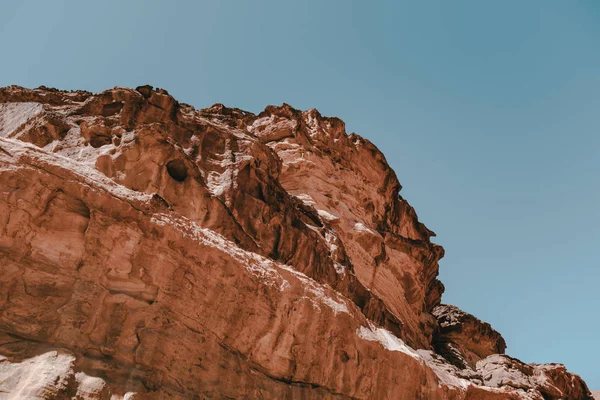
x: 488, y: 111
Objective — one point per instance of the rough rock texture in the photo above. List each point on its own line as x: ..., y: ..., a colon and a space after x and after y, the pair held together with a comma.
x: 151, y: 250
x: 463, y: 339
x: 547, y: 381
x: 48, y: 376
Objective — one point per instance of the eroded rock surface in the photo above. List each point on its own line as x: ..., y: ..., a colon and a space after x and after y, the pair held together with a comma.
x: 546, y: 381
x: 151, y: 250
x: 463, y: 339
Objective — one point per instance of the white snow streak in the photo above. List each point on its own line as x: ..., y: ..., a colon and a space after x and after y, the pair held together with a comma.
x: 327, y: 215
x: 263, y: 268
x: 87, y: 173
x: 13, y: 115
x: 339, y: 268
x: 445, y: 372
x: 386, y: 339
x: 359, y: 226
x: 306, y: 199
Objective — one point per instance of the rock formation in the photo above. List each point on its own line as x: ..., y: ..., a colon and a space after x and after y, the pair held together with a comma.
x: 151, y: 250
x: 464, y: 340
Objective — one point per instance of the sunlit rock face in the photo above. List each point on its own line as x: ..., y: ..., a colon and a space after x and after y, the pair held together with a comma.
x: 151, y: 250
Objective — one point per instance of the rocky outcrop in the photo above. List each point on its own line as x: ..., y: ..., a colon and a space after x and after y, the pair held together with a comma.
x: 544, y: 382
x: 151, y: 250
x: 50, y: 375
x: 463, y: 339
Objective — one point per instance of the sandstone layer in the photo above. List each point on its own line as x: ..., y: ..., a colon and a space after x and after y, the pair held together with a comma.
x: 152, y: 250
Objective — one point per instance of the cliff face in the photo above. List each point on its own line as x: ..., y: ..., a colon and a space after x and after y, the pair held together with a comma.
x: 151, y: 250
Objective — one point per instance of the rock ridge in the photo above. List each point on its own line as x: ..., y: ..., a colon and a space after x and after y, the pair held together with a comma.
x: 152, y: 250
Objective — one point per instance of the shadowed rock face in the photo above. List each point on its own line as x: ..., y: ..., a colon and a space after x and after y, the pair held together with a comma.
x: 463, y: 339
x: 151, y: 250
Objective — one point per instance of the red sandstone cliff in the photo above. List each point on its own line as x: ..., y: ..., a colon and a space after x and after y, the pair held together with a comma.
x: 151, y: 250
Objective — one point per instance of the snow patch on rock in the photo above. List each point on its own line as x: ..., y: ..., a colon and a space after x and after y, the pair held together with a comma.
x: 306, y: 199
x: 13, y: 115
x: 386, y: 339
x: 327, y: 216
x: 446, y: 373
x: 91, y: 176
x: 40, y: 377
x: 90, y: 387
x: 339, y: 268
x: 359, y: 226
x: 263, y: 268
x: 230, y: 163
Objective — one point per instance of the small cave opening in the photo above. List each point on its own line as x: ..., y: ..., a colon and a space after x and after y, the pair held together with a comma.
x: 97, y: 141
x: 112, y: 108
x: 177, y: 170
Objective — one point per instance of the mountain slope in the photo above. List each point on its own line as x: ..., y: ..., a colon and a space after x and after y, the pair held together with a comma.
x: 155, y: 249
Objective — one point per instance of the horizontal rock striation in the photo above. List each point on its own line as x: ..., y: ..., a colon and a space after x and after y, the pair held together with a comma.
x: 152, y: 250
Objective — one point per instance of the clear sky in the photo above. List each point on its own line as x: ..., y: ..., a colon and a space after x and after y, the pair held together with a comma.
x: 489, y: 111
